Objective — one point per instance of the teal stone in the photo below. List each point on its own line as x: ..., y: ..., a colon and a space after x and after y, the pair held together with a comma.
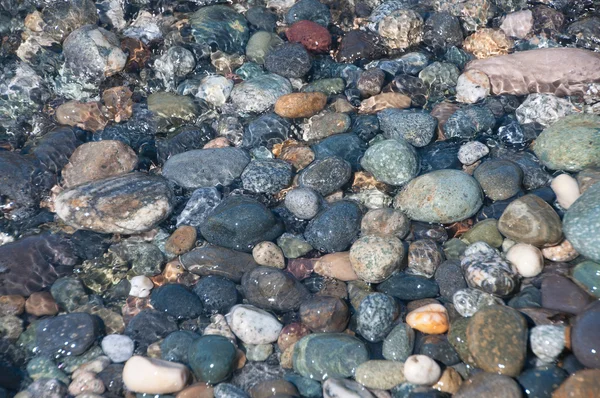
x: 587, y: 275
x: 394, y: 162
x: 454, y: 248
x: 250, y: 70
x: 260, y: 44
x: 571, y: 144
x: 442, y: 196
x: 212, y: 358
x: 308, y: 388
x: 220, y: 26
x: 329, y: 355
x: 293, y: 246
x: 399, y: 343
x: 175, y: 347
x: 44, y: 367
x: 330, y: 86
x: 581, y: 224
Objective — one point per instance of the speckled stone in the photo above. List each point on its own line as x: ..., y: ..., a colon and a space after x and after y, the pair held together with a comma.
x: 584, y: 383
x: 417, y: 128
x: 581, y: 223
x: 399, y: 343
x: 78, y: 330
x: 468, y: 301
x: 485, y: 269
x: 500, y: 179
x: 424, y: 256
x: 374, y: 258
x: 542, y: 381
x: 409, y: 287
x: 529, y: 219
x: 326, y: 176
x: 325, y: 124
x: 335, y: 227
x: 497, y: 340
x: 547, y: 341
x: 441, y: 196
x: 267, y: 175
x: 394, y: 162
x: 587, y: 275
x: 329, y: 355
x: 379, y: 374
x: 215, y: 260
x: 485, y: 384
x: 376, y: 315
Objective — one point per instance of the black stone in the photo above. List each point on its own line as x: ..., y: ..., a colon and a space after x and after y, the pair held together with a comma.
x: 409, y: 287
x: 288, y: 60
x: 326, y: 175
x: 217, y: 294
x: 334, y: 228
x: 176, y: 301
x: 148, y: 327
x: 66, y: 335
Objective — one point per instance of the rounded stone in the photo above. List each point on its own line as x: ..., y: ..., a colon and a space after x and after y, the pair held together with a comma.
x: 311, y: 35
x: 497, y: 340
x: 40, y: 304
x: 500, y: 179
x: 526, y: 258
x: 485, y: 384
x: 176, y: 301
x: 220, y: 26
x: 212, y: 358
x: 429, y: 319
x: 375, y: 316
x: 399, y: 343
x: 542, y: 381
x: 484, y: 231
x: 268, y: 254
x: 154, y: 376
x: 385, y: 221
x: 417, y: 128
x: 259, y: 45
x: 259, y: 93
x: 325, y: 314
x: 570, y: 144
x: 585, y: 342
x: 273, y: 289
x: 394, y: 162
x: 326, y: 175
x: 587, y: 275
x: 267, y: 176
x: 581, y: 223
x: 297, y: 105
x: 441, y: 196
x: 175, y: 347
x: 288, y: 60
x: 422, y: 370
x: 472, y: 151
x: 529, y: 219
x: 310, y: 10
x: 118, y: 347
x: 409, y: 287
x: 547, y: 341
x: 561, y: 294
x: 379, y: 374
x: 583, y: 383
x: 217, y: 294
x: 149, y: 326
x: 374, y: 258
x: 65, y: 335
x: 334, y: 228
x: 253, y: 325
x: 182, y: 240
x: 424, y: 256
x: 468, y: 301
x: 303, y: 202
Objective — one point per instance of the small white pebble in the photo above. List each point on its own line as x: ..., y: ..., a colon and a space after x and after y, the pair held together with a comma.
x: 140, y: 286
x: 471, y: 152
x: 118, y: 347
x: 566, y: 189
x: 422, y: 370
x: 527, y: 259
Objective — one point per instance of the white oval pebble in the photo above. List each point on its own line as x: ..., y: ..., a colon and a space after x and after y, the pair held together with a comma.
x: 154, y: 376
x: 422, y: 370
x: 472, y: 151
x: 566, y: 189
x: 527, y: 259
x: 118, y: 347
x: 253, y: 325
x: 268, y: 254
x: 140, y: 286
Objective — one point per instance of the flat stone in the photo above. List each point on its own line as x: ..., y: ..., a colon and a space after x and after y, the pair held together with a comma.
x: 561, y: 294
x: 77, y: 330
x: 215, y: 260
x: 379, y: 374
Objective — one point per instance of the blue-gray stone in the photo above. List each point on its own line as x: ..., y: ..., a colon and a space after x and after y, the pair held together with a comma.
x: 203, y: 168
x: 581, y: 223
x: 266, y: 130
x: 177, y: 301
x: 226, y: 390
x: 66, y: 335
x: 326, y: 175
x: 334, y: 228
x: 267, y: 176
x: 148, y: 327
x: 288, y: 60
x: 212, y: 358
x: 176, y: 346
x: 199, y: 206
x: 308, y: 388
x: 394, y: 162
x: 220, y: 26
x: 541, y: 382
x: 499, y: 178
x: 469, y: 121
x: 259, y: 93
x: 217, y: 294
x: 346, y: 146
x: 399, y: 343
x: 311, y: 10
x: 409, y: 287
x: 375, y: 317
x: 418, y: 128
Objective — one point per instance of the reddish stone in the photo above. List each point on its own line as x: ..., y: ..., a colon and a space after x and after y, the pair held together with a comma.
x: 40, y: 304
x: 301, y: 268
x: 311, y: 35
x: 12, y: 305
x: 133, y: 306
x: 290, y: 334
x: 137, y: 54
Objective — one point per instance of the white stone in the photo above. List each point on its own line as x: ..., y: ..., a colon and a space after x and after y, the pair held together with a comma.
x: 253, y: 325
x: 544, y: 109
x: 140, y: 286
x: 518, y: 24
x: 422, y: 370
x: 215, y: 89
x: 118, y: 347
x: 547, y: 341
x: 258, y: 352
x: 472, y: 86
x: 268, y: 254
x: 507, y: 244
x: 527, y: 259
x: 154, y: 376
x: 472, y: 151
x: 566, y: 189
x: 342, y: 388
x: 86, y: 382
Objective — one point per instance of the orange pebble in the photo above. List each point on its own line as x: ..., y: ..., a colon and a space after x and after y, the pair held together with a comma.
x: 429, y: 319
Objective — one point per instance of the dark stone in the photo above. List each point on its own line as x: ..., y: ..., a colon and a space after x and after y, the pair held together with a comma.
x: 442, y: 30
x: 148, y: 327
x: 217, y: 294
x: 271, y: 288
x: 489, y: 385
x: 176, y: 346
x: 326, y: 175
x: 469, y: 121
x: 418, y: 128
x: 334, y: 228
x: 112, y: 377
x: 437, y: 347
x: 357, y: 45
x: 267, y: 175
x: 413, y: 87
x: 345, y: 146
x: 176, y: 301
x: 220, y: 26
x: 440, y: 155
x: 261, y: 18
x: 185, y: 139
x: 450, y: 279
x: 288, y: 60
x: 324, y: 314
x: 199, y: 206
x: 215, y: 260
x: 541, y: 382
x: 311, y: 10
x: 499, y: 179
x: 409, y: 287
x: 365, y: 127
x: 212, y: 358
x: 240, y: 223
x: 529, y: 296
x: 375, y: 316
x: 561, y: 294
x: 69, y: 293
x: 585, y: 339
x: 66, y: 335
x: 266, y: 130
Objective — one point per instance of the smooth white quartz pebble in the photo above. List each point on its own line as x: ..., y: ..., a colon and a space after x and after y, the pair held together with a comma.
x: 566, y: 189
x: 140, y: 286
x: 422, y: 370
x: 527, y: 259
x: 253, y: 325
x: 118, y: 347
x: 154, y: 376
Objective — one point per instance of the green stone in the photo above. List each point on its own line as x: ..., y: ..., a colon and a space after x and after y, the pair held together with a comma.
x: 454, y: 248
x: 484, y: 231
x: 572, y: 143
x: 394, y: 162
x: 260, y: 44
x: 212, y: 358
x: 44, y: 367
x: 293, y: 246
x: 399, y: 343
x: 587, y: 275
x: 581, y: 224
x: 249, y: 70
x: 457, y: 337
x: 331, y: 86
x: 325, y: 355
x: 171, y: 106
x: 69, y: 293
x: 69, y: 364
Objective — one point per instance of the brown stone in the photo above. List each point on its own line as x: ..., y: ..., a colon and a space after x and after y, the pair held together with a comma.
x: 487, y: 43
x: 198, y: 390
x: 219, y: 142
x: 363, y: 181
x: 490, y: 385
x: 270, y: 388
x: 324, y: 314
x: 383, y: 101
x: 561, y: 294
x: 86, y: 116
x: 295, y: 153
x: 287, y: 358
x: 442, y: 112
x: 297, y: 105
x: 182, y: 240
x: 138, y: 54
x: 40, y: 304
x: 290, y: 334
x: 12, y: 305
x: 336, y: 265
x: 582, y: 384
x: 560, y: 71
x: 118, y: 103
x: 98, y: 160
x: 311, y: 35
x: 359, y: 44
x: 301, y: 268
x: 449, y: 382
x: 333, y: 288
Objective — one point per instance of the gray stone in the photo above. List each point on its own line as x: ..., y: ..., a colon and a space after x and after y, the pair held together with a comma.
x: 394, y: 162
x: 500, y: 179
x: 399, y: 343
x: 326, y: 175
x: 260, y: 93
x: 267, y: 176
x: 417, y: 128
x: 303, y: 202
x: 581, y: 224
x: 375, y: 317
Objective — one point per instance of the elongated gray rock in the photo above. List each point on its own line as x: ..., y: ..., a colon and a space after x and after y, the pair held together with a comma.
x: 202, y: 168
x: 126, y: 204
x: 560, y: 71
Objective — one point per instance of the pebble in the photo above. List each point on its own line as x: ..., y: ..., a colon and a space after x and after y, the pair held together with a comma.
x: 325, y: 124
x: 148, y: 326
x: 442, y: 30
x: 212, y: 358
x: 267, y: 176
x: 442, y: 196
x: 40, y: 304
x: 347, y: 146
x: 69, y: 334
x: 13, y: 304
x: 197, y: 390
x: 561, y: 294
x: 566, y: 189
x: 409, y: 287
x: 391, y: 161
x: 260, y: 44
x: 303, y: 202
x: 325, y: 176
x: 542, y: 380
x: 375, y: 316
x: 386, y: 222
x: 88, y: 206
x: 526, y: 258
x: 518, y: 24
x: 374, y: 258
x: 272, y: 289
x: 214, y: 89
x: 334, y: 228
x: 417, y: 128
x: 584, y: 342
x: 215, y: 260
x: 253, y: 325
x: 140, y: 286
x: 471, y: 152
x: 581, y: 223
x: 499, y: 179
x: 259, y: 93
x: 449, y: 278
x: 226, y: 390
x: 290, y: 334
x: 472, y: 86
x: 497, y: 340
x: 276, y: 387
x: 547, y: 341
x: 118, y: 347
x: 199, y: 205
x: 310, y: 10
x: 268, y: 254
x: 293, y: 246
x: 222, y: 227
x: 529, y: 219
x: 311, y: 35
x: 468, y: 301
x: 288, y: 60
x: 379, y: 374
x: 587, y: 275
x: 421, y: 370
x: 383, y: 101
x: 324, y: 314
x: 429, y: 319
x: 220, y: 26
x: 370, y: 82
x: 297, y: 105
x: 182, y: 240
x: 580, y: 384
x: 176, y: 301
x: 424, y: 257
x: 485, y: 269
x: 86, y: 383
x: 154, y: 376
x: 329, y: 355
x: 489, y: 384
